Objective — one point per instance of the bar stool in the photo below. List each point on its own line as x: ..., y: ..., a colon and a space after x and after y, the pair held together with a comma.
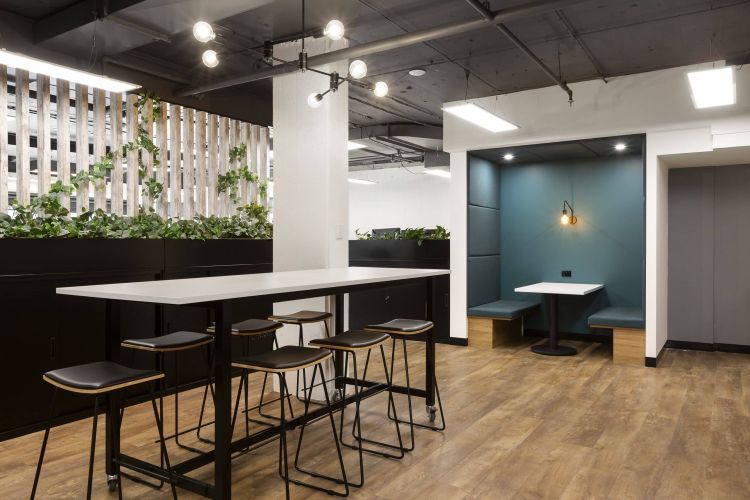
x: 173, y: 342
x: 350, y: 343
x: 300, y: 318
x: 403, y: 328
x: 99, y: 379
x: 281, y: 361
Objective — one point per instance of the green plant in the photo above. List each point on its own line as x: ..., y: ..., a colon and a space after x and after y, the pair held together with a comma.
x: 230, y: 182
x: 419, y: 234
x: 363, y: 236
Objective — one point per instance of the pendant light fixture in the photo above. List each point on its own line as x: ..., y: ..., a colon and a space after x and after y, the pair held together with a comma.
x: 334, y: 29
x: 210, y: 58
x: 566, y: 219
x: 203, y: 32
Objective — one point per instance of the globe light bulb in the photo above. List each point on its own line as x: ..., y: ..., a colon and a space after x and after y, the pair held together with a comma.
x: 381, y: 89
x: 203, y: 32
x: 357, y: 69
x: 334, y: 30
x: 314, y: 100
x: 565, y: 219
x: 210, y: 58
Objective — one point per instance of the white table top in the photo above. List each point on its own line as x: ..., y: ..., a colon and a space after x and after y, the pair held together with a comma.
x: 196, y: 290
x: 560, y: 288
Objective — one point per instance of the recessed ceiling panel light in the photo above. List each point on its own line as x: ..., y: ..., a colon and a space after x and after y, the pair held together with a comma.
x: 714, y: 87
x: 361, y: 181
x: 508, y: 156
x: 437, y: 172
x: 38, y: 66
x: 417, y: 72
x: 479, y: 116
x: 620, y: 147
x: 355, y: 145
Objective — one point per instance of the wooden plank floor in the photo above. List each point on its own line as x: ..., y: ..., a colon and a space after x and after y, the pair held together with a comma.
x: 519, y: 426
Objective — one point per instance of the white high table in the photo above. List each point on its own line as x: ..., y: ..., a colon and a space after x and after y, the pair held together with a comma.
x: 551, y: 291
x: 217, y: 294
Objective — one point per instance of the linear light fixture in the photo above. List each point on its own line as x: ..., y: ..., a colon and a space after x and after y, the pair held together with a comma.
x: 713, y: 87
x: 479, y: 116
x: 437, y: 172
x: 38, y: 66
x: 355, y: 145
x: 361, y: 181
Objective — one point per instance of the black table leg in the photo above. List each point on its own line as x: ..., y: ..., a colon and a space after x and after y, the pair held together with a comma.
x: 338, y: 328
x: 223, y: 400
x: 552, y: 348
x: 112, y: 429
x: 429, y: 351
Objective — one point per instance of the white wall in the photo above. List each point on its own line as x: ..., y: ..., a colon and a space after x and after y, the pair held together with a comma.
x: 399, y: 199
x: 657, y: 104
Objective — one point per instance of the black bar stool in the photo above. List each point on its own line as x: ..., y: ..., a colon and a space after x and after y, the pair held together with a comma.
x: 350, y: 343
x: 402, y: 329
x: 173, y: 342
x: 99, y: 379
x: 300, y: 318
x: 281, y: 361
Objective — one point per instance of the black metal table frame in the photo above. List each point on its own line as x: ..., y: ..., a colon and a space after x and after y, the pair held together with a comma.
x: 222, y: 454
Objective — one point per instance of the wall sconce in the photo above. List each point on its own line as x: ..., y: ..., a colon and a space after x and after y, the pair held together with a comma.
x: 566, y: 219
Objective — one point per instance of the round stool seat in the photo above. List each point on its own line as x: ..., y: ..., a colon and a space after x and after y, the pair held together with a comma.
x: 402, y: 326
x: 283, y: 359
x: 176, y: 341
x: 302, y: 317
x: 251, y: 327
x: 98, y: 377
x: 352, y: 340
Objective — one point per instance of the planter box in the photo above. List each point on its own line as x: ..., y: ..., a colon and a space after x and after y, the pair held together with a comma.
x: 431, y: 254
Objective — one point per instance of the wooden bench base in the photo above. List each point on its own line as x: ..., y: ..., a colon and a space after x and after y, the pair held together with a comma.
x: 629, y: 346
x: 489, y: 333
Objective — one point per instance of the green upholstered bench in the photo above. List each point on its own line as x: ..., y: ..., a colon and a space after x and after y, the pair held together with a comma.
x: 489, y: 323
x: 628, y: 332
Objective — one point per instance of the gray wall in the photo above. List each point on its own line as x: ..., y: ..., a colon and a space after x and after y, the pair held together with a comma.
x: 709, y: 255
x: 484, y: 232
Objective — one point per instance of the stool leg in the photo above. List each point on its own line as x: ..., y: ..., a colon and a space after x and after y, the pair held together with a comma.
x: 301, y: 343
x: 177, y: 409
x: 408, y: 392
x: 44, y: 443
x: 263, y: 391
x: 282, y: 442
x: 163, y: 445
x: 205, y: 396
x: 93, y: 448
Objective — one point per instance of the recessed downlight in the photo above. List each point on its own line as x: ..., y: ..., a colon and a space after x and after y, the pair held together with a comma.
x: 508, y: 156
x: 417, y: 72
x: 620, y: 146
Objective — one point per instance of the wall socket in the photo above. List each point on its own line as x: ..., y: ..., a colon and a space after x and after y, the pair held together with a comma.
x: 567, y: 274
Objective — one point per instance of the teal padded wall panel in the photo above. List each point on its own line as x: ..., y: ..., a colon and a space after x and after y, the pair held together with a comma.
x: 484, y: 181
x: 607, y: 245
x: 484, y: 280
x: 484, y: 234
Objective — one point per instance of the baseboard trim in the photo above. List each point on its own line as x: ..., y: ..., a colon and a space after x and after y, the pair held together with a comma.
x: 581, y: 337
x: 707, y: 346
x: 654, y: 362
x: 453, y: 341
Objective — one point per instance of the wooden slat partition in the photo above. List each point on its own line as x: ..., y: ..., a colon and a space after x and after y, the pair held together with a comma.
x: 223, y: 162
x: 200, y: 163
x: 115, y: 120
x: 43, y: 142
x: 100, y: 147
x: 148, y: 160
x: 162, y: 172
x: 134, y: 189
x: 175, y: 161
x: 253, y: 157
x: 244, y: 185
x: 213, y: 164
x: 3, y: 139
x: 188, y: 172
x: 82, y: 145
x: 263, y: 162
x: 23, y: 157
x: 63, y: 135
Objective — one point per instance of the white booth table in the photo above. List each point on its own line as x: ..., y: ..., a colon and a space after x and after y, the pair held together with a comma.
x: 551, y: 291
x: 217, y: 294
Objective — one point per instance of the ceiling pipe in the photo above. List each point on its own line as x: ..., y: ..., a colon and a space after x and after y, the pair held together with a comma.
x: 396, y: 42
x: 132, y: 25
x: 490, y: 16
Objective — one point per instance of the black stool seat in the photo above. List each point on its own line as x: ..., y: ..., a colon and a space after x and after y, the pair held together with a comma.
x: 287, y: 358
x: 251, y: 327
x: 98, y: 377
x: 352, y: 340
x: 176, y: 341
x: 301, y: 317
x: 402, y: 326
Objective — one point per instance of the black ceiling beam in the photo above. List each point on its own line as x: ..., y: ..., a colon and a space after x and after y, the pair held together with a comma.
x: 585, y: 48
x: 76, y: 15
x: 489, y: 16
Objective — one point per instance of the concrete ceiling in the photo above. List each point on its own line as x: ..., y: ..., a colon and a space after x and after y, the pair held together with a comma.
x: 623, y: 36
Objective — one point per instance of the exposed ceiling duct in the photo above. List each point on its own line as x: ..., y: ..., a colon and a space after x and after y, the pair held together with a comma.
x: 397, y: 145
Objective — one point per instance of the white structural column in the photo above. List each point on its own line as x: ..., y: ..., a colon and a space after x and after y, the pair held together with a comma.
x: 311, y: 194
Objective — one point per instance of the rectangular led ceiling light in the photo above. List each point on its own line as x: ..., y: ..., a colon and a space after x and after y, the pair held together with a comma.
x: 361, y: 181
x: 479, y: 116
x: 38, y: 66
x: 713, y: 87
x: 355, y: 145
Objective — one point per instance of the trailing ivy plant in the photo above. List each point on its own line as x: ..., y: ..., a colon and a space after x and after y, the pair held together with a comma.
x: 144, y: 144
x: 230, y: 182
x: 419, y: 234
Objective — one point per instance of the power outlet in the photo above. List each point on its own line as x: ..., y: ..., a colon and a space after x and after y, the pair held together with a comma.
x: 567, y: 274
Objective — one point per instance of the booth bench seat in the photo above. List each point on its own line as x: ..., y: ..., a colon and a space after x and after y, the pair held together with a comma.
x: 628, y: 333
x: 489, y: 323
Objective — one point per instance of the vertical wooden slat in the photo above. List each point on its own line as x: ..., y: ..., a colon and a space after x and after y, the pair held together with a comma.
x: 23, y: 168
x: 63, y: 136
x: 188, y: 172
x: 212, y: 200
x: 162, y: 173
x: 252, y: 153
x: 82, y: 145
x: 43, y: 143
x: 132, y: 132
x: 244, y: 185
x: 230, y: 205
x: 175, y: 160
x: 115, y: 120
x: 100, y: 146
x: 148, y: 159
x: 263, y: 145
x: 223, y: 162
x: 200, y: 162
x: 3, y: 139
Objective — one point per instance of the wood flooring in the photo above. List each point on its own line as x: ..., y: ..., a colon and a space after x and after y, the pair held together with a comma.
x: 520, y: 426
